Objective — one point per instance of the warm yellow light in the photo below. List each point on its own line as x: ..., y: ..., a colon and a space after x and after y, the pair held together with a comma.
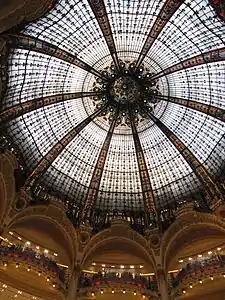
x: 46, y: 251
x: 211, y: 277
x: 39, y: 273
x: 135, y: 293
x: 11, y: 233
x: 113, y: 291
x: 48, y: 278
x: 28, y: 243
x: 141, y: 266
x: 143, y: 296
x: 17, y: 265
x: 15, y: 296
x: 124, y: 291
x: 181, y: 260
x: 55, y: 254
x: 103, y: 265
x: 37, y: 247
x: 190, y: 258
x: 92, y: 294
x: 223, y: 275
x: 53, y: 285
x: 93, y: 264
x: 132, y: 267
x: 101, y: 291
x: 122, y: 267
x: 190, y: 286
x: 5, y: 286
x: 184, y: 292
x: 200, y: 281
x: 19, y: 292
x: 112, y: 266
x: 19, y: 238
x: 28, y: 269
x: 200, y: 255
x: 218, y: 249
x: 209, y: 252
x: 5, y: 264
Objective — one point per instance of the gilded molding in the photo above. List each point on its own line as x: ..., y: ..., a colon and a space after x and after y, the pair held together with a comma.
x: 181, y: 226
x: 119, y: 232
x: 55, y: 215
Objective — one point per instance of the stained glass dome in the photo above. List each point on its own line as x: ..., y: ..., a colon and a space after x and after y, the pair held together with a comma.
x: 119, y: 105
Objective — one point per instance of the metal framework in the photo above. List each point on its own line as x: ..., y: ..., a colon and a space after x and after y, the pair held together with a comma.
x: 204, y: 58
x: 148, y: 197
x: 48, y: 159
x: 210, y: 110
x: 99, y: 10
x: 30, y: 43
x: 168, y: 9
x: 98, y: 170
x: 199, y: 170
x: 29, y: 106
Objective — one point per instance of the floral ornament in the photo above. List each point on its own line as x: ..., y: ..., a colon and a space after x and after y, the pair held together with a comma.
x: 131, y: 91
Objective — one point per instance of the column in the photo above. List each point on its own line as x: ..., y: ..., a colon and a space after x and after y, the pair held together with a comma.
x: 73, y: 284
x: 163, y: 285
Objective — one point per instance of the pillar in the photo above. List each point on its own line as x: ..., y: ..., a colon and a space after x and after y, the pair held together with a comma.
x: 73, y: 284
x: 163, y: 285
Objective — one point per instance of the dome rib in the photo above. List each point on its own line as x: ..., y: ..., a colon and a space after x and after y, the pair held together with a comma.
x: 213, y: 111
x: 148, y: 196
x: 203, y: 58
x: 93, y: 190
x: 52, y: 154
x: 200, y: 171
x: 167, y: 11
x: 99, y: 10
x: 23, y: 108
x: 34, y: 44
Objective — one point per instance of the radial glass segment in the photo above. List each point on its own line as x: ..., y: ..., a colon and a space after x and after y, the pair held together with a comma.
x: 71, y: 27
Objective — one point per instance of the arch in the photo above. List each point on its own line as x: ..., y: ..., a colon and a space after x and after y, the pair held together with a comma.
x: 188, y: 229
x: 53, y: 226
x: 124, y: 239
x: 7, y: 183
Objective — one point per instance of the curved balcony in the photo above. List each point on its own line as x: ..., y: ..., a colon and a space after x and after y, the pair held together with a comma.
x: 117, y: 283
x: 16, y: 257
x: 198, y: 271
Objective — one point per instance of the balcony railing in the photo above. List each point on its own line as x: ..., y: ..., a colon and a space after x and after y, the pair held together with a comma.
x: 196, y: 271
x: 34, y: 261
x: 113, y: 278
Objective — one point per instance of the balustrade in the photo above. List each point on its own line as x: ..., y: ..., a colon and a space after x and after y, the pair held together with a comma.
x: 40, y: 262
x: 215, y: 262
x: 117, y: 278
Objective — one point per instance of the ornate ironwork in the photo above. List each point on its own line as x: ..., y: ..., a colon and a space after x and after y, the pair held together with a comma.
x: 48, y: 159
x: 99, y: 10
x: 28, y: 106
x: 31, y: 43
x: 168, y: 9
x: 210, y: 110
x: 204, y: 58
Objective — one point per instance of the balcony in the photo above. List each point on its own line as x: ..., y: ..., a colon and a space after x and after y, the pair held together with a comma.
x: 210, y: 270
x: 30, y: 266
x: 117, y: 283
